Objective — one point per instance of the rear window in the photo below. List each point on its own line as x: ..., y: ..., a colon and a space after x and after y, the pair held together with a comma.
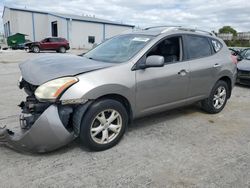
x: 56, y: 40
x: 216, y: 45
x: 198, y: 47
x: 61, y: 39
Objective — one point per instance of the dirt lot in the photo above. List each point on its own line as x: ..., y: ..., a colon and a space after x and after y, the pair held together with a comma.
x: 16, y: 56
x: 179, y: 148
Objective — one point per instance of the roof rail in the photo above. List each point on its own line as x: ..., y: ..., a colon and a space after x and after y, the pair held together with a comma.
x: 169, y: 27
x: 196, y: 30
x: 162, y: 26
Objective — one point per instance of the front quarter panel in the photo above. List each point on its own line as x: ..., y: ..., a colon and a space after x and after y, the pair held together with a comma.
x: 119, y: 79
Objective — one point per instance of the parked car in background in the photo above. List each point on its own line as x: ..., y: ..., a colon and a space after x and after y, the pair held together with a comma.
x: 21, y: 46
x: 51, y: 43
x: 243, y: 76
x: 95, y: 96
x: 245, y: 53
x: 234, y: 52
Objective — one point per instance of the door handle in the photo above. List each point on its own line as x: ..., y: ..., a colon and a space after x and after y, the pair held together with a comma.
x: 216, y: 65
x: 182, y: 72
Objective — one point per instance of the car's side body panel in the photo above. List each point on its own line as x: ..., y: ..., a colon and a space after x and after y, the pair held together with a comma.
x: 158, y: 87
x: 155, y: 89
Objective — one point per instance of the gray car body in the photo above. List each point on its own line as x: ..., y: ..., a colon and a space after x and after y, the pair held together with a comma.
x: 156, y: 89
x: 145, y: 91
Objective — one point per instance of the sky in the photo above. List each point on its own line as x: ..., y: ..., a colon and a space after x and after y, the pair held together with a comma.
x: 203, y: 14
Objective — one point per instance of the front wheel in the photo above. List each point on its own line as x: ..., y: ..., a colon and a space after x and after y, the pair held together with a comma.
x: 35, y: 49
x: 217, y: 99
x: 103, y: 125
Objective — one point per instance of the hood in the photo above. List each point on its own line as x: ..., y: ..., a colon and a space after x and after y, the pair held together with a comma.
x: 30, y: 43
x: 244, y: 65
x: 40, y: 70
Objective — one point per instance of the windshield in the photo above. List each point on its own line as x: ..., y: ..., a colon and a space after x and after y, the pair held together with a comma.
x: 245, y: 54
x: 119, y: 49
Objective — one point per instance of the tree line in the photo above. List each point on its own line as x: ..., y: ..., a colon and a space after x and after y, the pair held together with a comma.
x: 235, y: 42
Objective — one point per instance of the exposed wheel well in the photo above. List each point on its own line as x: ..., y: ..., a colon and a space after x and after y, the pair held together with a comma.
x: 229, y: 83
x: 122, y: 100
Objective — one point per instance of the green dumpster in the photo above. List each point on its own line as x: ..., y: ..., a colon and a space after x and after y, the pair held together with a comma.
x: 16, y: 39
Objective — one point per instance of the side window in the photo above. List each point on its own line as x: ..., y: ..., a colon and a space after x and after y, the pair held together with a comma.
x: 46, y: 40
x: 247, y: 54
x: 60, y: 40
x: 216, y: 45
x: 169, y: 48
x: 91, y: 39
x: 198, y: 47
x: 53, y: 40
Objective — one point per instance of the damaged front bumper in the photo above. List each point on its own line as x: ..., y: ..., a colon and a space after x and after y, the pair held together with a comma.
x: 45, y: 134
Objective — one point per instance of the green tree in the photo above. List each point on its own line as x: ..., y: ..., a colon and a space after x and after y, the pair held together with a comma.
x: 228, y: 29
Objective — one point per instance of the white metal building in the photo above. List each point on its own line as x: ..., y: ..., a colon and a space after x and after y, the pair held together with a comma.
x: 243, y: 36
x: 225, y: 36
x: 80, y: 31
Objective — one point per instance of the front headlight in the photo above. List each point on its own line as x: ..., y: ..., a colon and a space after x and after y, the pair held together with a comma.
x: 53, y: 89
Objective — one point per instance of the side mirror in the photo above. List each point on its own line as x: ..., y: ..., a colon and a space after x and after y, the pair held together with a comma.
x: 153, y: 61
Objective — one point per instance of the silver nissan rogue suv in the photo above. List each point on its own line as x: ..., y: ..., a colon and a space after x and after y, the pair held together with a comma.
x: 95, y: 95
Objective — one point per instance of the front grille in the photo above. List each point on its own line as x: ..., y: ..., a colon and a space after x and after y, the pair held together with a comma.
x: 31, y: 111
x: 243, y: 73
x: 244, y: 81
x: 31, y: 107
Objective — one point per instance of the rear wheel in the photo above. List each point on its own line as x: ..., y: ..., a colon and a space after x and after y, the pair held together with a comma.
x: 103, y: 125
x: 62, y: 49
x: 35, y: 49
x: 217, y: 99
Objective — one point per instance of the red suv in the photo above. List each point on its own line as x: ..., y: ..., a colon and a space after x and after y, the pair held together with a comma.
x: 52, y: 43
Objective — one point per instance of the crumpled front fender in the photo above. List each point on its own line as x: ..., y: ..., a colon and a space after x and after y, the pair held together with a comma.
x: 46, y: 134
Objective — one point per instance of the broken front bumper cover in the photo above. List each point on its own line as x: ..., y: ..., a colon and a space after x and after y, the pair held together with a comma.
x: 46, y: 134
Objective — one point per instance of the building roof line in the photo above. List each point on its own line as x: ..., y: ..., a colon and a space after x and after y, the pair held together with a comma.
x: 68, y: 17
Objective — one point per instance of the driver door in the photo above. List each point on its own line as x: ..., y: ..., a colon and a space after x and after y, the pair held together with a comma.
x: 45, y: 44
x: 160, y: 88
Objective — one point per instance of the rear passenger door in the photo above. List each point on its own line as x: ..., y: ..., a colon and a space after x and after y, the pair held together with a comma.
x: 202, y: 65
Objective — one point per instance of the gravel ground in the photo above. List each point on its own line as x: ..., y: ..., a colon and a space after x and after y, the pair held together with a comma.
x: 16, y: 56
x: 180, y: 148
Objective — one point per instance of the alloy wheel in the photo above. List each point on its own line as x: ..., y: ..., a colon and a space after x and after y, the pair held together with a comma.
x: 62, y: 50
x: 219, y: 97
x: 106, y: 126
x: 36, y: 49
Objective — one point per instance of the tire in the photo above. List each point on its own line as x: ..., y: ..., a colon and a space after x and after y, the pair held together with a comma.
x: 96, y: 132
x: 62, y: 49
x: 216, y: 101
x: 35, y: 49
